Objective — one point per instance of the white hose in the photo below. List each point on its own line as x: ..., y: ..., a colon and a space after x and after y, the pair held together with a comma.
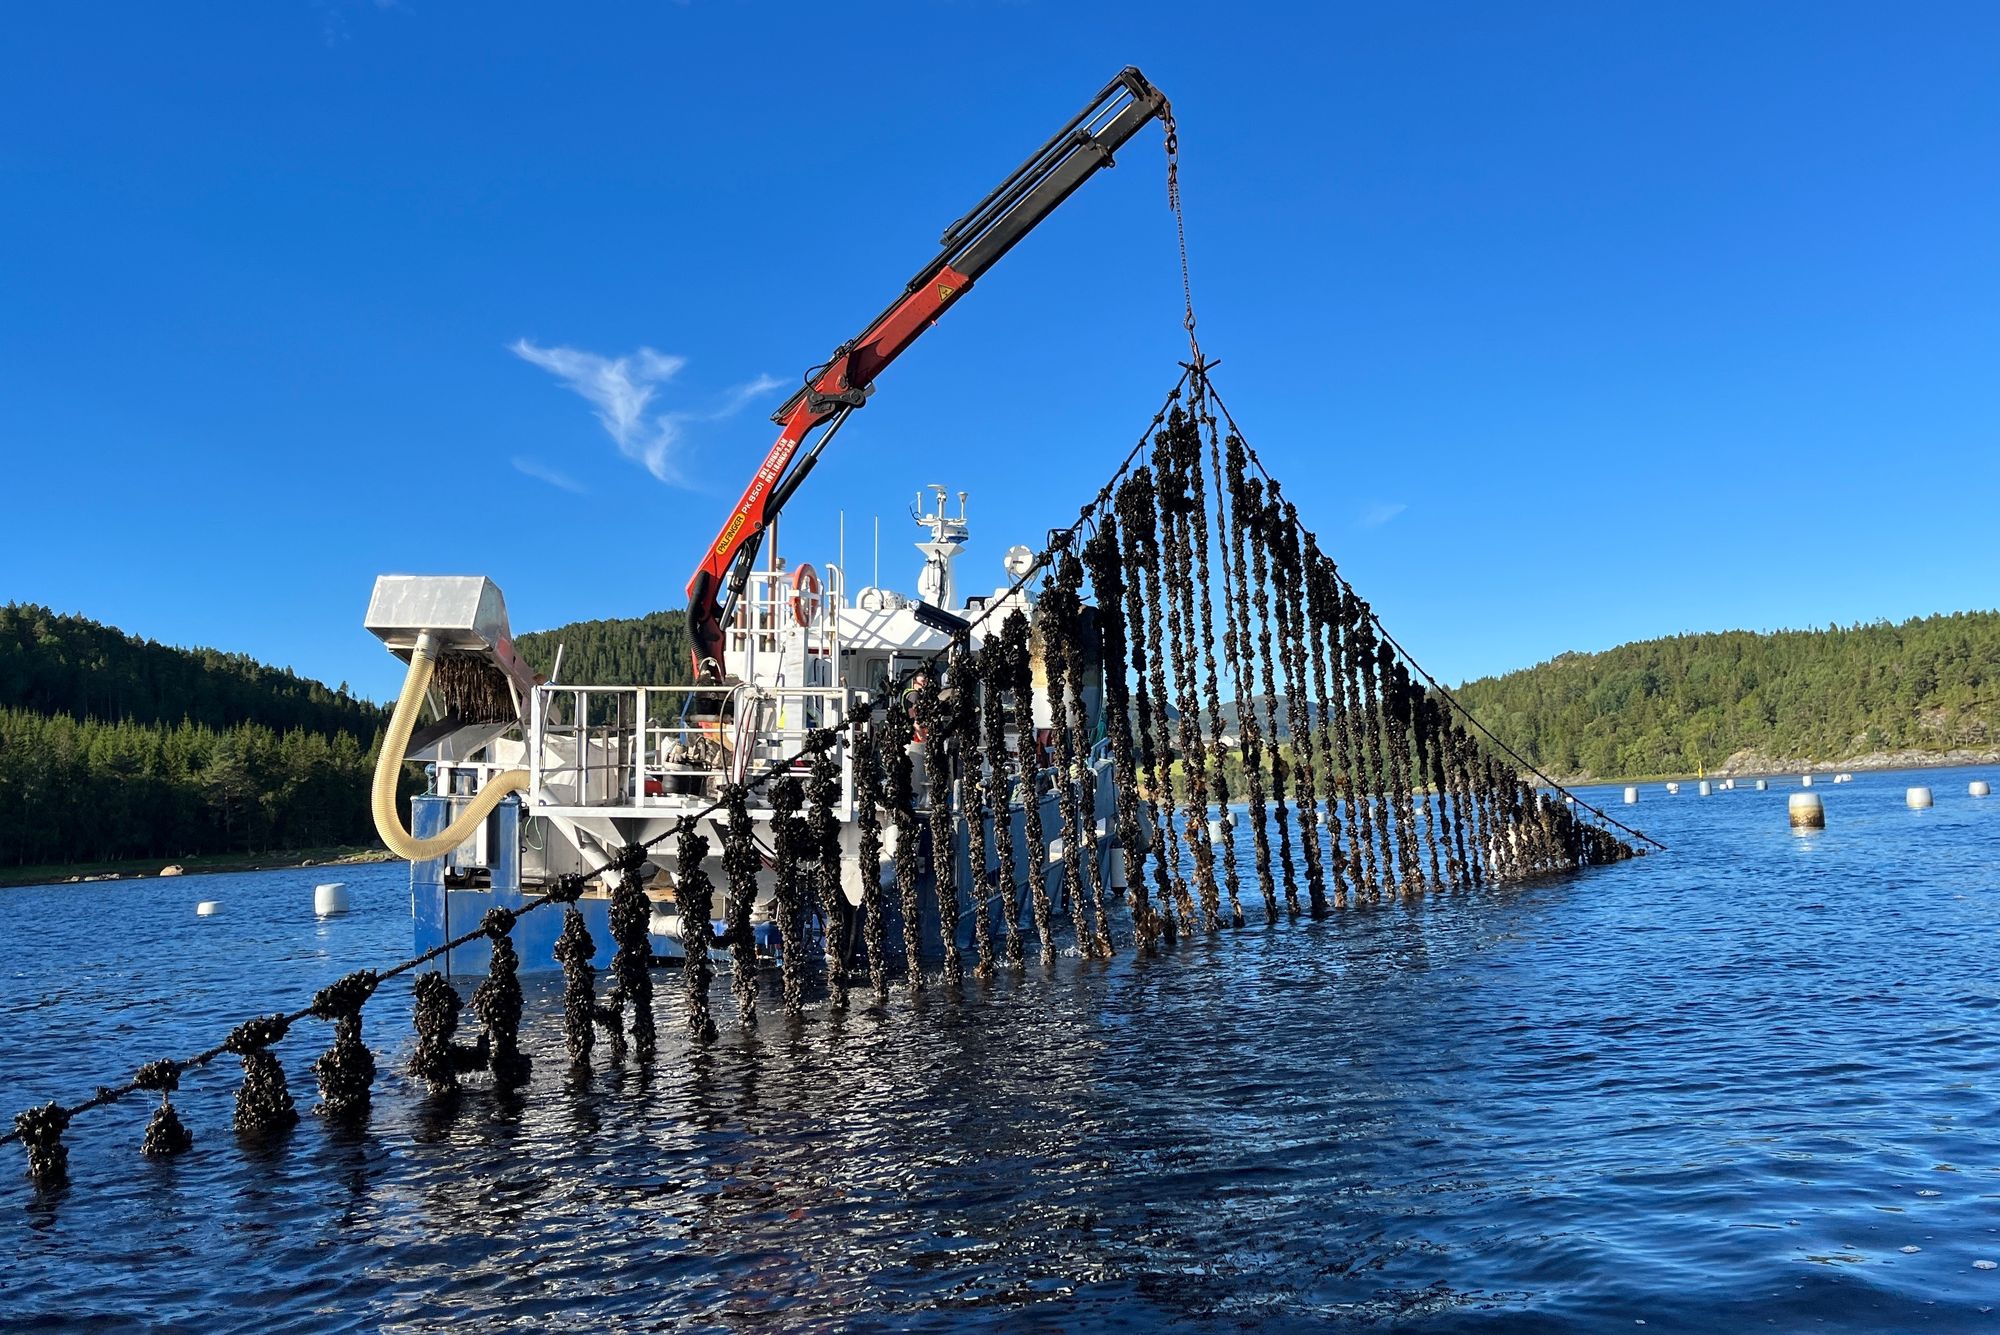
x: 389, y: 771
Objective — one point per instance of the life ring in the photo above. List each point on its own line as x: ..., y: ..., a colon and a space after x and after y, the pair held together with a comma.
x: 805, y: 595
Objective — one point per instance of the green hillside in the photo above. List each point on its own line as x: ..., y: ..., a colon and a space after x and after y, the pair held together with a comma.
x: 652, y: 650
x: 56, y: 664
x: 1928, y: 685
x: 113, y: 747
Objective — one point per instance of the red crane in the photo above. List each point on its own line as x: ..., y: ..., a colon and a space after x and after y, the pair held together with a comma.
x: 834, y: 389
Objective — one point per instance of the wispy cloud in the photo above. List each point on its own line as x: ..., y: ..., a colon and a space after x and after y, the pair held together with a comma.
x: 623, y: 389
x: 543, y: 473
x: 1380, y: 513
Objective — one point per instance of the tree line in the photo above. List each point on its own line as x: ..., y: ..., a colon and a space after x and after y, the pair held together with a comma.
x: 51, y: 663
x: 651, y: 650
x: 1662, y: 706
x: 113, y: 747
x: 88, y: 791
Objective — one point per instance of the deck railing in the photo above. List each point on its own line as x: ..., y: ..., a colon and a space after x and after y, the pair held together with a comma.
x: 674, y: 746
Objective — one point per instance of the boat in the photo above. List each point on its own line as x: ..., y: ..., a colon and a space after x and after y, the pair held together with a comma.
x: 612, y: 767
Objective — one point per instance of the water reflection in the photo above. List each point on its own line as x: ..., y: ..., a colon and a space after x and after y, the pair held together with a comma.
x: 1728, y: 1086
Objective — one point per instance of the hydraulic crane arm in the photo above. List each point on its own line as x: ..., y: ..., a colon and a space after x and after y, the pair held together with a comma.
x: 971, y: 246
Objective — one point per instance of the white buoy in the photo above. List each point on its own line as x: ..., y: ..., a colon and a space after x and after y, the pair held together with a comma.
x: 330, y: 899
x: 1631, y: 795
x: 1806, y: 811
x: 1705, y: 789
x: 1916, y: 799
x: 1229, y: 819
x: 208, y: 908
x: 1763, y: 785
x: 1805, y: 780
x: 1214, y: 831
x: 1672, y: 789
x: 1979, y: 788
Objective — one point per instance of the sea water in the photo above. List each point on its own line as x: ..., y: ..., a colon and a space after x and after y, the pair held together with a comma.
x: 1750, y: 1082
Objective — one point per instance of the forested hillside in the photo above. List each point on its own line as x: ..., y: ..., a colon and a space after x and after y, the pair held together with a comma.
x: 1660, y: 706
x: 55, y: 664
x: 112, y: 747
x: 651, y: 650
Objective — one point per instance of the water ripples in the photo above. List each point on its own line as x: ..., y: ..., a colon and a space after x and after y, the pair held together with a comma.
x: 1727, y: 1086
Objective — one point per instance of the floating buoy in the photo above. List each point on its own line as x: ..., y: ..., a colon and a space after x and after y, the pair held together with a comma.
x: 1763, y: 784
x: 1916, y: 799
x: 1214, y: 831
x: 1979, y: 788
x: 1704, y: 790
x: 1805, y: 780
x: 1672, y: 789
x: 1806, y: 811
x: 1631, y: 795
x: 330, y: 899
x: 208, y: 908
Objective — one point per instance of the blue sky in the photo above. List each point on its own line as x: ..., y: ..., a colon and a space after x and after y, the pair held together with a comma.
x: 1565, y: 324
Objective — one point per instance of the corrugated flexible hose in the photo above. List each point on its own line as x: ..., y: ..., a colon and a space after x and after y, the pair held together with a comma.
x: 389, y: 770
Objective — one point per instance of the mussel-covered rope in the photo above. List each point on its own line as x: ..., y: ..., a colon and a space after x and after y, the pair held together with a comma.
x: 497, y: 1003
x: 1103, y: 554
x: 1144, y: 558
x: 1287, y: 569
x: 968, y: 678
x: 263, y: 1101
x: 898, y: 732
x: 863, y: 752
x: 1027, y: 754
x: 788, y: 850
x: 574, y: 951
x: 694, y: 897
x: 1332, y: 721
x: 1256, y: 521
x: 740, y: 863
x: 823, y: 839
x: 166, y: 1135
x: 1198, y: 538
x: 1170, y: 453
x: 439, y: 1058
x: 1242, y: 515
x: 346, y: 1070
x: 995, y: 671
x: 631, y: 913
x: 939, y: 746
x: 1060, y: 615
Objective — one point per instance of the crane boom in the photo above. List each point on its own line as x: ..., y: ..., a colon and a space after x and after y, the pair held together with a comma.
x: 970, y: 246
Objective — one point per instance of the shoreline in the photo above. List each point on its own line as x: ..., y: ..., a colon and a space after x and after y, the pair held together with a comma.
x: 153, y: 869
x: 1767, y: 767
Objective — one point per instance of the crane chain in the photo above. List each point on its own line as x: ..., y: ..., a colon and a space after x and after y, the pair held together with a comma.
x: 1180, y: 223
